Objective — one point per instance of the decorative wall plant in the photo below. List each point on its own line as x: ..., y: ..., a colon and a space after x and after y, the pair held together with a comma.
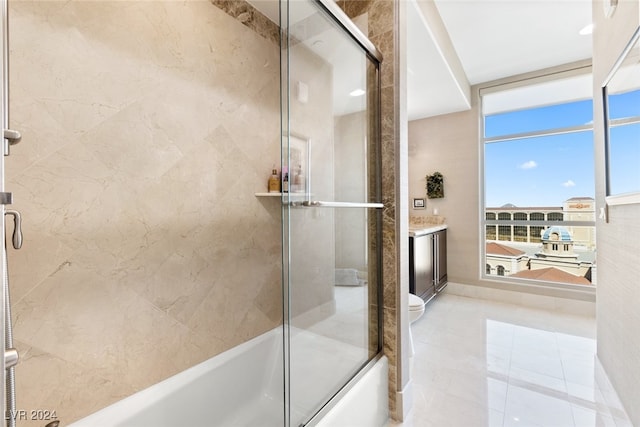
x: 435, y: 186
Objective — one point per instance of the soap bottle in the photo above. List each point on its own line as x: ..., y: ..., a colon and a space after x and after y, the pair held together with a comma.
x: 285, y: 180
x: 274, y: 182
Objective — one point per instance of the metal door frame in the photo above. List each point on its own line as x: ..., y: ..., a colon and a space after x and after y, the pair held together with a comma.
x: 336, y: 13
x: 4, y: 114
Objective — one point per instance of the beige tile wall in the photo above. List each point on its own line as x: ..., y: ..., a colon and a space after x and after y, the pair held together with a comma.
x: 147, y: 128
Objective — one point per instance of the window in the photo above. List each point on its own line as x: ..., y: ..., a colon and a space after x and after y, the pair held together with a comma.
x: 555, y: 216
x: 539, y: 183
x: 535, y: 233
x: 488, y: 269
x: 520, y: 233
x: 491, y: 232
x: 504, y: 232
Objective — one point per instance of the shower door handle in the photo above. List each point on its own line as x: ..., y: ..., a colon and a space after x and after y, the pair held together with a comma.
x: 321, y: 204
x: 13, y: 136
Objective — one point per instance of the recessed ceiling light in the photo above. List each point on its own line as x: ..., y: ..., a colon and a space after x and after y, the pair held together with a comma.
x: 357, y: 92
x: 586, y: 30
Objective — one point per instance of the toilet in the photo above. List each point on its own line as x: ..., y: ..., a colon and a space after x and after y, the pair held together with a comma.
x: 416, y: 307
x: 416, y: 310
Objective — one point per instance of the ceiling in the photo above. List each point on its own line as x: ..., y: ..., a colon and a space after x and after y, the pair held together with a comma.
x: 496, y: 39
x: 453, y: 44
x: 491, y: 39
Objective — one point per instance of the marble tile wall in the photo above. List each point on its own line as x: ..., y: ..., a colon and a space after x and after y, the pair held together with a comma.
x: 146, y: 132
x: 250, y: 17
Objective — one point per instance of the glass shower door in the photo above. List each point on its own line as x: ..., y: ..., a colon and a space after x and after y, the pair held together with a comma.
x: 332, y: 214
x: 4, y: 118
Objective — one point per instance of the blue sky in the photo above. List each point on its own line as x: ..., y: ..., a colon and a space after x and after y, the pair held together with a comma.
x: 542, y: 171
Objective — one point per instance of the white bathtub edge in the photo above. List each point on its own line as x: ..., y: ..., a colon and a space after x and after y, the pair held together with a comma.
x: 366, y: 404
x: 121, y: 411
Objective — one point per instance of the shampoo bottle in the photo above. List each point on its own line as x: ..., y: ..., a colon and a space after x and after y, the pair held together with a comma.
x: 274, y: 182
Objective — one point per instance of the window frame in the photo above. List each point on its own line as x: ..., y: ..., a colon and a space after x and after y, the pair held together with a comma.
x: 579, y: 69
x: 619, y: 198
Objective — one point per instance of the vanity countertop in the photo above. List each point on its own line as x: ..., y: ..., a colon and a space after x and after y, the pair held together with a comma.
x: 421, y: 230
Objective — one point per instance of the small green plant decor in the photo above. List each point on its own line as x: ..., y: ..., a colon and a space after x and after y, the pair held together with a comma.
x: 435, y: 186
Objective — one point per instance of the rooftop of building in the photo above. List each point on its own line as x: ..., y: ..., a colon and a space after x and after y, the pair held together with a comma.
x: 526, y: 208
x: 575, y: 199
x: 494, y: 248
x: 512, y: 207
x: 552, y: 274
x: 531, y: 249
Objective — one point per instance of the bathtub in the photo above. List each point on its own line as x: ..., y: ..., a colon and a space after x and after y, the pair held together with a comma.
x: 244, y: 387
x: 240, y: 387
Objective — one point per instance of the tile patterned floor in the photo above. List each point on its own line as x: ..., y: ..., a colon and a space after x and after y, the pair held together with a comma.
x: 479, y: 363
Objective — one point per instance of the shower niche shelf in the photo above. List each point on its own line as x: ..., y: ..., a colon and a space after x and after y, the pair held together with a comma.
x: 280, y: 194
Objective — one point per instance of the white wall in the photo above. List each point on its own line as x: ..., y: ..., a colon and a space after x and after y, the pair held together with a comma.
x: 618, y: 274
x: 448, y: 144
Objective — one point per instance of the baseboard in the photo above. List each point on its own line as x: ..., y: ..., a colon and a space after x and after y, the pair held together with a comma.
x: 611, y: 399
x: 404, y: 401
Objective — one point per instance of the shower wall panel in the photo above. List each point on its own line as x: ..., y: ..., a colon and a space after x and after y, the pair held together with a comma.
x: 147, y: 128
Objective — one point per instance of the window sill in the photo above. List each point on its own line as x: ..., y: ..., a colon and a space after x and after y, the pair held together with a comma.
x: 555, y: 288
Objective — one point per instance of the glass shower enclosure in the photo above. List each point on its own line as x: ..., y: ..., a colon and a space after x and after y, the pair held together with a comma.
x: 150, y: 252
x: 332, y: 210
